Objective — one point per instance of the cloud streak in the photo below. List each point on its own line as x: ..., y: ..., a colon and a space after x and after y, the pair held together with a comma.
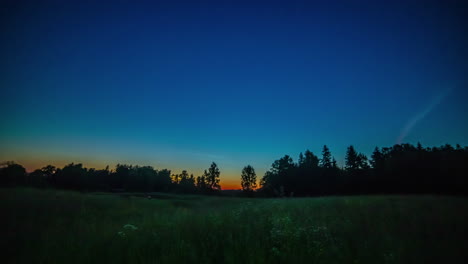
x: 422, y: 114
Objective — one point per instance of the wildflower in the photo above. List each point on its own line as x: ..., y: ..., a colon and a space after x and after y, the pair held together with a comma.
x: 130, y: 227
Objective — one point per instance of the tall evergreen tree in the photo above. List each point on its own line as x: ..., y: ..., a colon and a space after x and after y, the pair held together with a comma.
x: 377, y: 159
x: 301, y: 159
x: 355, y: 161
x: 326, y: 161
x: 351, y: 159
x: 310, y: 160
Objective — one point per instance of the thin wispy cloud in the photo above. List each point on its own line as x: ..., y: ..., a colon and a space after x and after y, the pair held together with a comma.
x: 422, y: 114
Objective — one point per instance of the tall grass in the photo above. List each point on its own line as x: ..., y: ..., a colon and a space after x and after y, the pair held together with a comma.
x: 67, y: 227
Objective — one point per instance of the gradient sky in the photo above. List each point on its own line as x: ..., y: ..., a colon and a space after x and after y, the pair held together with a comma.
x: 180, y: 84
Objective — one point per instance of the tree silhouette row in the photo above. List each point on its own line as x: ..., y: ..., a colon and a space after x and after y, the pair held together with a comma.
x: 124, y: 177
x: 402, y: 168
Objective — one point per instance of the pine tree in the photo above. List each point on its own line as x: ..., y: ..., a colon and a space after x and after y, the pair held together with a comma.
x: 326, y: 161
x: 301, y: 159
x: 377, y: 159
x: 352, y: 159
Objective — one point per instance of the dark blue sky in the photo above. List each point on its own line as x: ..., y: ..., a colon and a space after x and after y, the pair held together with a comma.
x: 181, y: 84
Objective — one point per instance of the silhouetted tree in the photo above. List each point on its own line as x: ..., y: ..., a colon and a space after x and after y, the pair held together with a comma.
x: 357, y: 171
x: 268, y: 183
x: 186, y: 183
x: 278, y: 179
x: 99, y: 179
x: 212, y: 177
x: 307, y: 174
x: 326, y: 161
x: 12, y: 174
x: 121, y: 176
x: 175, y: 179
x: 377, y: 159
x: 300, y: 161
x: 142, y: 178
x: 49, y: 172
x: 355, y: 161
x: 162, y: 182
x: 72, y: 176
x: 202, y: 185
x: 310, y: 160
x: 248, y: 179
x: 351, y: 159
x: 37, y: 178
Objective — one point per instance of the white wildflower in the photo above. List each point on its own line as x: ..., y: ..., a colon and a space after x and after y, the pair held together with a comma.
x: 130, y: 227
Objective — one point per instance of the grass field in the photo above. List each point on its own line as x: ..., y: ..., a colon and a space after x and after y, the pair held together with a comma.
x: 48, y: 226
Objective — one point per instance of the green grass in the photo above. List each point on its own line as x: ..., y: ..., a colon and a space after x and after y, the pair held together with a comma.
x: 48, y: 226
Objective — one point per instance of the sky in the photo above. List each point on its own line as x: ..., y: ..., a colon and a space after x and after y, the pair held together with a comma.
x: 178, y: 85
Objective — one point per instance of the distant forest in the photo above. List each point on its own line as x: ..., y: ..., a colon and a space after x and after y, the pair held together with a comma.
x: 401, y: 169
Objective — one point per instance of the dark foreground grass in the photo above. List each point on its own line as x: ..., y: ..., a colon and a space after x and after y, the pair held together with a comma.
x: 67, y: 227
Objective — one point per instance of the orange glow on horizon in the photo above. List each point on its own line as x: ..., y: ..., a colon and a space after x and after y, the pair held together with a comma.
x: 230, y: 187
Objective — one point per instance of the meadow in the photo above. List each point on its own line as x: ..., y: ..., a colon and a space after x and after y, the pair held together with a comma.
x: 53, y: 226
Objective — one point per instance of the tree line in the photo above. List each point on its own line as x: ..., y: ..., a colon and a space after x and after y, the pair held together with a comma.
x: 124, y: 178
x: 402, y: 168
